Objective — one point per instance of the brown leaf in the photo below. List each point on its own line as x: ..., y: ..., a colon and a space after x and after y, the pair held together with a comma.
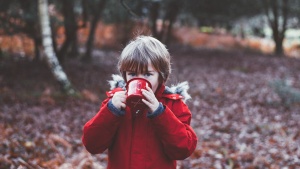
x: 219, y: 90
x: 47, y: 100
x: 88, y: 95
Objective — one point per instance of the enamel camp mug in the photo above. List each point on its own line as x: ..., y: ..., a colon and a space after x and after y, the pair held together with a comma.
x: 134, y: 93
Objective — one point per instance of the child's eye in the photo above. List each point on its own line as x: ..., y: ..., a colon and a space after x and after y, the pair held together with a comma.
x: 148, y: 74
x: 131, y: 74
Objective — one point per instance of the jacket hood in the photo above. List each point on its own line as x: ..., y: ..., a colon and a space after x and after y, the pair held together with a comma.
x: 181, y: 88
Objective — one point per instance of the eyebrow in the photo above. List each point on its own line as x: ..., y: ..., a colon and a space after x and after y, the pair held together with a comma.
x: 136, y: 72
x: 151, y: 71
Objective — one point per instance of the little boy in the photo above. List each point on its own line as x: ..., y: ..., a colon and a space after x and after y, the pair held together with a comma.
x: 155, y: 137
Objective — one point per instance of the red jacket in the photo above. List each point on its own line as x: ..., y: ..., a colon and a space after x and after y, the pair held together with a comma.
x: 135, y: 141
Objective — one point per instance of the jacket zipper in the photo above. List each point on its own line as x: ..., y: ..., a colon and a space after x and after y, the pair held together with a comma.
x: 132, y: 134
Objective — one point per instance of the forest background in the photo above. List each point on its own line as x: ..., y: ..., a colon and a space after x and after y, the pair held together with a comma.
x: 240, y: 57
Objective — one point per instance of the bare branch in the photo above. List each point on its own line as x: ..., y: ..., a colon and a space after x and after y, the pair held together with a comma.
x: 285, y: 11
x: 266, y: 6
x: 128, y: 9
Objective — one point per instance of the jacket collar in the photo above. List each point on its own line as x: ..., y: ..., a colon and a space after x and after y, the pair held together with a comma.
x: 160, y: 90
x: 180, y: 88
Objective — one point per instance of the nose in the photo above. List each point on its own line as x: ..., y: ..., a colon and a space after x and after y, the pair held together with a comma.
x: 141, y: 76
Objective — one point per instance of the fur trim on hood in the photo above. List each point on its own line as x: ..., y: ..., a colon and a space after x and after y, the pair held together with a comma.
x: 180, y: 88
x: 117, y: 82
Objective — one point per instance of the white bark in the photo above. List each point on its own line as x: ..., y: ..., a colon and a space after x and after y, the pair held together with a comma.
x: 51, y: 58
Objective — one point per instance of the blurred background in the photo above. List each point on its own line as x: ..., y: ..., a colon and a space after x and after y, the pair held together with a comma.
x: 240, y: 57
x: 267, y: 26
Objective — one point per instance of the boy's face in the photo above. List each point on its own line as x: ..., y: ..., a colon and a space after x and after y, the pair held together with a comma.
x: 152, y: 76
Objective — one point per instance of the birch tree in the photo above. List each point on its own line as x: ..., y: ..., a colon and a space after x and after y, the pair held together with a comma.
x: 51, y: 58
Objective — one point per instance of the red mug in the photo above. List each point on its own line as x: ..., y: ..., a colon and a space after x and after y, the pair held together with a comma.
x: 134, y: 93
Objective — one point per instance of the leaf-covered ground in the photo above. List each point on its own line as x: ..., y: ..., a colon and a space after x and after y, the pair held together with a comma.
x: 239, y: 120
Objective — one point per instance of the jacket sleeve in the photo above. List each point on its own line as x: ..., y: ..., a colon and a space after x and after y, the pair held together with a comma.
x: 99, y: 132
x: 173, y: 128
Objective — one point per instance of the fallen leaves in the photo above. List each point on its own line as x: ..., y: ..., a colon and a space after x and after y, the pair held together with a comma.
x: 238, y: 118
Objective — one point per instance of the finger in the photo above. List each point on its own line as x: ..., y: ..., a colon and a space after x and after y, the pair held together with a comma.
x: 122, y: 100
x: 144, y: 92
x: 151, y: 106
x: 119, y: 92
x: 146, y: 102
x: 149, y: 89
x: 123, y: 94
x: 123, y: 105
x: 148, y: 92
x: 148, y: 96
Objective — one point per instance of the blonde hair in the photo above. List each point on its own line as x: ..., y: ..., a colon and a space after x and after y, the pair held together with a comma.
x: 138, y: 52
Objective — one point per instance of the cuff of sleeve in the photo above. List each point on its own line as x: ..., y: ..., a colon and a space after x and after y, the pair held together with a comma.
x: 115, y: 110
x: 157, y: 112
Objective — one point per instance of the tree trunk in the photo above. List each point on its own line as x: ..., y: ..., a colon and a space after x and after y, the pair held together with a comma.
x: 51, y: 59
x: 90, y: 41
x: 277, y: 28
x: 173, y: 10
x: 70, y: 25
x: 278, y: 39
x: 154, y: 9
x: 84, y: 13
x: 37, y: 43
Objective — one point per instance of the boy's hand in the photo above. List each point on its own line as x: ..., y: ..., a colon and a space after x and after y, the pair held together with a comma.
x: 119, y: 100
x: 151, y: 100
